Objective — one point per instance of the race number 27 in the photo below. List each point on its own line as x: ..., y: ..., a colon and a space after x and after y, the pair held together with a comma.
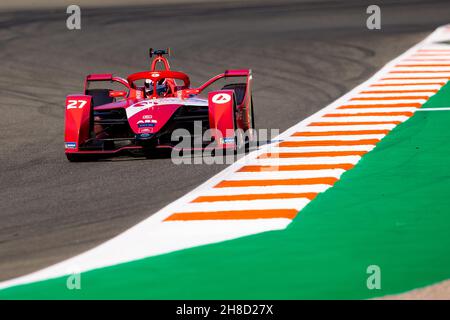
x: 76, y: 104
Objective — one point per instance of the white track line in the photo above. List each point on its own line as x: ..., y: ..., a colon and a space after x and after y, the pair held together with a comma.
x: 364, y: 147
x: 360, y: 110
x: 427, y: 61
x: 356, y: 119
x: 337, y: 137
x: 407, y: 82
x: 405, y: 86
x: 417, y: 73
x: 360, y: 100
x: 296, y: 203
x: 298, y: 161
x: 298, y: 174
x: 393, y: 95
x: 421, y: 68
x: 347, y: 127
x: 434, y: 109
x: 425, y: 57
x: 313, y: 188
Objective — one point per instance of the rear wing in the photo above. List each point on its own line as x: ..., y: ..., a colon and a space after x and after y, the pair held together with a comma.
x: 103, y: 77
x: 228, y: 73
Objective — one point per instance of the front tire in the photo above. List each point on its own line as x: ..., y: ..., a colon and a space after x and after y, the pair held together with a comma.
x: 252, y: 114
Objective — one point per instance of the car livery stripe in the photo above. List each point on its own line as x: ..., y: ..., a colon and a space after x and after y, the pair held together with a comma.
x: 268, y: 188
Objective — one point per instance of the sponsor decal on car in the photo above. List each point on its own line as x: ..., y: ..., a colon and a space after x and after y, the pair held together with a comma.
x: 70, y: 145
x: 145, y: 125
x: 221, y: 98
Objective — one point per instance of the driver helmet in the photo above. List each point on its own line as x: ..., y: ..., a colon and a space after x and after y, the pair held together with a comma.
x: 148, y: 87
x: 161, y: 87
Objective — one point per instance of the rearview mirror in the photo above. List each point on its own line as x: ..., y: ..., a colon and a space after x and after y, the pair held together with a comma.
x: 117, y: 94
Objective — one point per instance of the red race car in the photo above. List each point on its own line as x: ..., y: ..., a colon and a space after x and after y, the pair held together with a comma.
x: 156, y: 109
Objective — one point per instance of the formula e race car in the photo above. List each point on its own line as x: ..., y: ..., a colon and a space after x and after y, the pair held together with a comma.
x: 156, y: 109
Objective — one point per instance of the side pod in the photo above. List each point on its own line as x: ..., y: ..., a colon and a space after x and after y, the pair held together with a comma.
x: 221, y: 107
x: 77, y: 121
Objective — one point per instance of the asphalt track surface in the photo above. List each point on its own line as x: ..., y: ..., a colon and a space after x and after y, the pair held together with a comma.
x: 303, y: 55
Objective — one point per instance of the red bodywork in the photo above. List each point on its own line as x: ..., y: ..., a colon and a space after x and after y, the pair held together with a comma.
x: 141, y: 117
